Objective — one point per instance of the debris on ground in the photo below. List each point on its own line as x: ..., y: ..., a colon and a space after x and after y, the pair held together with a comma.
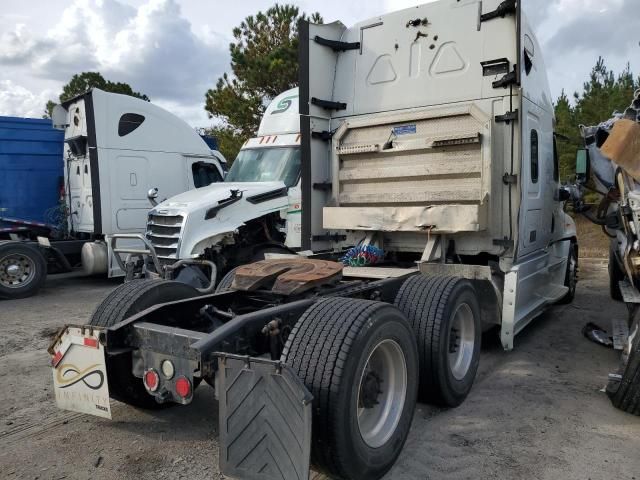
x: 597, y: 335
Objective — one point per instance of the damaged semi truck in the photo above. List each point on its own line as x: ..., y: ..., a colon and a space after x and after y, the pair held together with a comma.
x: 433, y: 207
x: 198, y: 236
x: 611, y: 158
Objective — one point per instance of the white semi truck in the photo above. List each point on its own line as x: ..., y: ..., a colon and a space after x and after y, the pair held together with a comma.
x: 430, y: 190
x: 120, y: 154
x: 198, y: 236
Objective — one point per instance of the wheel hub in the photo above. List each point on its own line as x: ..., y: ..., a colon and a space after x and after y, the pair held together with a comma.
x: 454, y: 340
x: 16, y: 270
x: 381, y: 391
x: 461, y: 341
x: 13, y: 270
x: 370, y: 389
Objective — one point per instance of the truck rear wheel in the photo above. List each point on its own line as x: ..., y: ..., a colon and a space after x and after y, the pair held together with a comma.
x: 359, y: 360
x: 445, y: 317
x: 126, y: 300
x: 616, y: 274
x: 23, y: 270
x: 624, y: 389
x: 571, y: 275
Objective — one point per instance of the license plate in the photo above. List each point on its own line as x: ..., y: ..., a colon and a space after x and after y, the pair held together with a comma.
x: 79, y: 372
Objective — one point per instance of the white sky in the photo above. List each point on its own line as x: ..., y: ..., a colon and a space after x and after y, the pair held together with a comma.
x: 174, y: 50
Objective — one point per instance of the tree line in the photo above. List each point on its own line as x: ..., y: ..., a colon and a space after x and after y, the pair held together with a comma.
x: 264, y: 63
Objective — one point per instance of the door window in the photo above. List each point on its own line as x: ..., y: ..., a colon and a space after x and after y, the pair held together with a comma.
x: 204, y: 174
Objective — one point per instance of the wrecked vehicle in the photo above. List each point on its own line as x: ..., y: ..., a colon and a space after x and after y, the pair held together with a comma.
x: 433, y: 207
x: 612, y: 159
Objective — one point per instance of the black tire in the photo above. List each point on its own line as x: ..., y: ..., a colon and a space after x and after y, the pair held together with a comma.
x: 226, y: 281
x: 571, y: 275
x: 328, y: 349
x: 33, y: 270
x: 624, y: 391
x: 616, y: 274
x: 123, y: 302
x: 430, y: 303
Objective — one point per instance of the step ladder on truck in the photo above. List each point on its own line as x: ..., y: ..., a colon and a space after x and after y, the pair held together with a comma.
x: 433, y: 210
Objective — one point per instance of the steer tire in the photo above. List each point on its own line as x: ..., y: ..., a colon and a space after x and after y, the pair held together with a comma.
x: 616, y: 274
x: 28, y: 257
x: 123, y: 302
x: 624, y: 391
x: 430, y: 303
x: 329, y: 348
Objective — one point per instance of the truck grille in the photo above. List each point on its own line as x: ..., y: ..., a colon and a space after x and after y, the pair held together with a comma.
x: 163, y: 232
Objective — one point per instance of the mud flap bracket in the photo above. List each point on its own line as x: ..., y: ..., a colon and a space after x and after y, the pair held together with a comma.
x: 265, y: 420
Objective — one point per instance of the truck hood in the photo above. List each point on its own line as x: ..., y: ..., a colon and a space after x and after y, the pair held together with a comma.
x: 206, y: 226
x: 210, y: 195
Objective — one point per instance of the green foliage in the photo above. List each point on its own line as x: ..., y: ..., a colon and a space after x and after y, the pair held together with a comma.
x: 84, y: 81
x: 264, y: 63
x: 602, y: 94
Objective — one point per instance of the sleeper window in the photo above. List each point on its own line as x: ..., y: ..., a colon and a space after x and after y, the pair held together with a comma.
x: 556, y: 161
x: 128, y: 123
x: 534, y: 156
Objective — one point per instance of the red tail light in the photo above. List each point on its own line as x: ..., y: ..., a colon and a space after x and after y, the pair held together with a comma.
x: 151, y: 380
x: 183, y: 387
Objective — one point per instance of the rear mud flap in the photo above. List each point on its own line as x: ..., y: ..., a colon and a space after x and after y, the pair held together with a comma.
x: 265, y: 420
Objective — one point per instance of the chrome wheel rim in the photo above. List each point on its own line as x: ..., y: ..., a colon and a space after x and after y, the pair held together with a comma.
x: 381, y: 393
x: 16, y: 270
x: 462, y: 338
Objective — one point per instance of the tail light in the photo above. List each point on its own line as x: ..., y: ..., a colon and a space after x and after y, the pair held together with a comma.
x: 183, y: 387
x: 151, y: 380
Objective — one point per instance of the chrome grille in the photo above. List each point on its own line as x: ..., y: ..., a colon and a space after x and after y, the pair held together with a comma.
x: 163, y: 231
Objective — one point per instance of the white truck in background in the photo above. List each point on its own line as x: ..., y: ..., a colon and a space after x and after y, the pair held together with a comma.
x: 121, y: 154
x: 198, y: 236
x: 427, y: 152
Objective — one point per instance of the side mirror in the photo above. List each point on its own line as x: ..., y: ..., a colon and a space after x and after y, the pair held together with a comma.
x: 582, y: 165
x: 152, y: 194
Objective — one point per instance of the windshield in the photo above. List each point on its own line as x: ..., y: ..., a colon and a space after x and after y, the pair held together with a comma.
x: 266, y: 165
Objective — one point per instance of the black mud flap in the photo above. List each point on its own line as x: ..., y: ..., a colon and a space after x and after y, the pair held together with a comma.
x: 265, y: 420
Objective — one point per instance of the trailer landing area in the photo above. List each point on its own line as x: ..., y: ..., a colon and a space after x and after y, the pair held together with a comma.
x: 535, y: 412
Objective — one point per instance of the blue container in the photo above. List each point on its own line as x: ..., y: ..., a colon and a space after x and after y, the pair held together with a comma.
x: 31, y: 168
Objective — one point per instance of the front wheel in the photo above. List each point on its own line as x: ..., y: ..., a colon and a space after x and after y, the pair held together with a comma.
x: 359, y: 360
x: 23, y: 270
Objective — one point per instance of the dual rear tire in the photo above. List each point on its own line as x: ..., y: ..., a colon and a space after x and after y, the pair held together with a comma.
x: 366, y: 363
x: 359, y: 360
x: 445, y: 317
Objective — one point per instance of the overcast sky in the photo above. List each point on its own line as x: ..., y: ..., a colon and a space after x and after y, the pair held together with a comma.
x: 174, y: 50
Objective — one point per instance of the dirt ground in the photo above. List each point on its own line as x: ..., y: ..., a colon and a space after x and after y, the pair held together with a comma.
x: 537, y: 412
